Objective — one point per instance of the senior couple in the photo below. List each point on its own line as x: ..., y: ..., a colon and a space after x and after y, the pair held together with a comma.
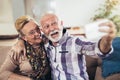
x: 56, y: 54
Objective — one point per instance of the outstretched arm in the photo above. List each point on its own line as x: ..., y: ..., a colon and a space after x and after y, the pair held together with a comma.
x: 106, y: 41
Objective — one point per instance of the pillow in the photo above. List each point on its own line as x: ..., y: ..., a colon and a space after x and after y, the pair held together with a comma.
x: 111, y: 64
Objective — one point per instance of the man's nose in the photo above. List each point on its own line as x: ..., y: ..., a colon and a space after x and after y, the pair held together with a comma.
x: 52, y: 28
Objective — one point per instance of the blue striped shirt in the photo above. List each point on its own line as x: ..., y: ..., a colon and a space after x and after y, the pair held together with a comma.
x: 67, y: 58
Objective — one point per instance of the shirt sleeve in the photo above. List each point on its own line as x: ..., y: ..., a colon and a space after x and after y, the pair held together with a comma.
x: 90, y: 48
x: 99, y: 53
x: 8, y: 65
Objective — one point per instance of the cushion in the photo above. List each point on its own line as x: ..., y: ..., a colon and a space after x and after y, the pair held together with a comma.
x: 111, y: 64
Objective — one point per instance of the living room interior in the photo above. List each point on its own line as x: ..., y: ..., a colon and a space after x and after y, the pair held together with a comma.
x: 75, y: 14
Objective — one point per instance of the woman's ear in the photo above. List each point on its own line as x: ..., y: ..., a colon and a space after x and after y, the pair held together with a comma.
x: 24, y: 38
x: 41, y: 30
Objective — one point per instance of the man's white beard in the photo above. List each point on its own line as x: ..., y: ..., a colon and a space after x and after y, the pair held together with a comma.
x: 57, y: 38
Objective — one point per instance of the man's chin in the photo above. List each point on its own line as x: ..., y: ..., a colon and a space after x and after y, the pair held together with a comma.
x: 54, y: 40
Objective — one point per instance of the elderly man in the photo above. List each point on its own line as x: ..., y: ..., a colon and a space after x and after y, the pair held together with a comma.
x: 66, y: 52
x: 31, y: 64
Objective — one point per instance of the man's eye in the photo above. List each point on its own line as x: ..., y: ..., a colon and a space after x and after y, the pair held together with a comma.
x: 54, y: 23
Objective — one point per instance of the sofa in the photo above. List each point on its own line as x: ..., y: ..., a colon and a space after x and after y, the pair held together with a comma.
x: 93, y: 67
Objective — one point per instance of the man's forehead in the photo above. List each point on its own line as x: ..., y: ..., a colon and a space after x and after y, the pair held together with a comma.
x: 47, y: 18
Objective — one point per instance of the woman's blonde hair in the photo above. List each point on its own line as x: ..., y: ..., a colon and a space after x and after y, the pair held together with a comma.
x: 21, y: 21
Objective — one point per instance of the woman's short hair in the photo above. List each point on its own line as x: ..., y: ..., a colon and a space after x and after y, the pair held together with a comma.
x: 21, y: 21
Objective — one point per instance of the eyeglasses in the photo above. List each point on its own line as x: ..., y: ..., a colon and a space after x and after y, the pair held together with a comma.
x: 46, y: 26
x: 32, y: 32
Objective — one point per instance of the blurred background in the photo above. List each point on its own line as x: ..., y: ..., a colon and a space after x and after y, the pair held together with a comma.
x: 72, y: 12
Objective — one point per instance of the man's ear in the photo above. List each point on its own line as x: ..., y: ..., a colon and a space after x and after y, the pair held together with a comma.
x: 61, y: 22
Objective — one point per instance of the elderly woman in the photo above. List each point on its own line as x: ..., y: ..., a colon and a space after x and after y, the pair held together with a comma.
x: 32, y: 64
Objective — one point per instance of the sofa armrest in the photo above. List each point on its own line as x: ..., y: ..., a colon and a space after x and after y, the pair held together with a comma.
x: 91, y: 64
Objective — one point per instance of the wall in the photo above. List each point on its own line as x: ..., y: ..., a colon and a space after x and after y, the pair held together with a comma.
x: 6, y: 18
x: 77, y: 12
x: 10, y: 10
x: 72, y: 12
